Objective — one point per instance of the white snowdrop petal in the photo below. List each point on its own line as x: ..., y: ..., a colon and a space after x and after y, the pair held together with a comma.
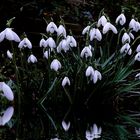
x: 28, y: 43
x: 138, y: 48
x: 8, y: 34
x: 8, y: 113
x: 2, y: 36
x: 86, y: 52
x: 102, y: 21
x: 9, y: 54
x: 7, y: 92
x: 42, y: 42
x: 55, y: 65
x: 32, y: 59
x: 21, y: 44
x: 65, y: 125
x: 16, y: 37
x: 85, y: 30
x: 65, y: 81
x: 137, y: 56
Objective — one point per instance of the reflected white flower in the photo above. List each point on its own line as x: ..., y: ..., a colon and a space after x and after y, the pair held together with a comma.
x: 32, y: 59
x: 125, y: 38
x: 85, y: 30
x: 86, y: 52
x: 126, y: 49
x: 7, y: 92
x: 93, y: 133
x: 121, y: 19
x: 137, y: 57
x: 55, y: 65
x: 65, y: 82
x: 71, y: 41
x: 138, y: 48
x: 9, y: 54
x: 7, y: 115
x: 42, y: 42
x: 51, y: 27
x: 9, y: 35
x: 46, y: 54
x: 108, y: 26
x: 95, y: 34
x: 65, y: 125
x: 102, y: 21
x: 25, y: 43
x: 61, y: 31
x: 50, y: 42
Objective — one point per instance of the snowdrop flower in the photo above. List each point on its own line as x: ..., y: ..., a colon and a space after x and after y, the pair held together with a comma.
x: 32, y: 59
x: 93, y: 133
x: 89, y: 71
x: 51, y: 27
x: 9, y: 54
x: 125, y: 38
x: 102, y: 21
x: 93, y: 74
x: 126, y: 49
x: 7, y: 115
x: 7, y: 92
x: 138, y: 48
x: 42, y: 43
x: 137, y: 56
x: 137, y: 76
x: 50, y: 42
x: 63, y: 45
x: 9, y: 35
x: 65, y: 82
x: 134, y: 25
x: 121, y: 19
x: 25, y: 43
x: 55, y: 65
x: 46, y: 54
x: 108, y: 26
x: 95, y: 33
x: 85, y: 30
x: 97, y: 75
x: 71, y: 41
x: 65, y: 125
x: 86, y: 52
x: 61, y: 31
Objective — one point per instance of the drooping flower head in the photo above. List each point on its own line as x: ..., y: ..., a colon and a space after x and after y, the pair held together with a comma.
x: 51, y: 27
x: 121, y: 19
x: 7, y: 115
x: 9, y: 35
x: 7, y: 92
x: 32, y: 59
x: 55, y: 65
x: 25, y: 43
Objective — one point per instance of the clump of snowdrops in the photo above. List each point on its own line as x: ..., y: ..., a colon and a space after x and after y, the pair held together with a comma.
x: 61, y: 70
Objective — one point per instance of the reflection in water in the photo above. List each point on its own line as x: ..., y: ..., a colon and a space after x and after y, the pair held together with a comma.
x: 6, y: 115
x: 71, y: 123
